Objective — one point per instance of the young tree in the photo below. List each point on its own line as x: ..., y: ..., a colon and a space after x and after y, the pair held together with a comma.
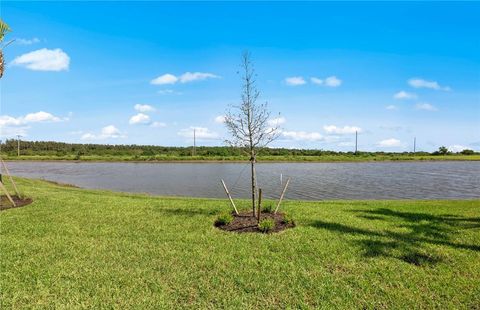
x: 248, y: 123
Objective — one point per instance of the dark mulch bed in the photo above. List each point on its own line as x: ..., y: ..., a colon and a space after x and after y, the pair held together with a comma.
x: 245, y: 223
x: 19, y: 202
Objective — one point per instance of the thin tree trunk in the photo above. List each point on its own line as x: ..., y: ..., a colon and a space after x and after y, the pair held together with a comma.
x: 254, y: 182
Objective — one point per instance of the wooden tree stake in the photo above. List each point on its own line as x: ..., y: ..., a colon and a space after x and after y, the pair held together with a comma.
x: 2, y: 187
x: 10, y: 177
x: 281, y: 196
x: 229, y: 197
x: 259, y: 203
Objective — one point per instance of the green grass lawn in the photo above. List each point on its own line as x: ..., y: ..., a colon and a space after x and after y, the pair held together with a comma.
x: 75, y: 248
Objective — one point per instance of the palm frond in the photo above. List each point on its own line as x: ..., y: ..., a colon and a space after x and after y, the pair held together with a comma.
x: 4, y: 28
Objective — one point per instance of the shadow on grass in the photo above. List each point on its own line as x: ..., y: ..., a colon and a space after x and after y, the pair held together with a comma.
x: 421, y: 229
x: 186, y: 211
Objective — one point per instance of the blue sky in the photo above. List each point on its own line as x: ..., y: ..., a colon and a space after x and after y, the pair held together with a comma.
x: 147, y: 73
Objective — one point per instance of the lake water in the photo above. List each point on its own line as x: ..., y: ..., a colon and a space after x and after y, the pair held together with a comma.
x: 309, y: 181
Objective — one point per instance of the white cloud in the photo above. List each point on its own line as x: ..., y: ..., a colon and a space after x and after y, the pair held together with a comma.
x: 31, y: 41
x: 391, y: 107
x: 295, y: 81
x: 425, y: 106
x: 139, y: 118
x: 392, y: 142
x: 187, y: 77
x: 44, y: 60
x: 404, y: 95
x: 421, y: 83
x: 345, y: 130
x: 106, y: 133
x: 458, y: 148
x: 201, y: 133
x: 164, y: 79
x: 302, y: 135
x: 220, y: 119
x: 333, y: 81
x: 196, y: 76
x: 37, y: 117
x: 144, y: 108
x: 158, y: 125
x: 274, y: 122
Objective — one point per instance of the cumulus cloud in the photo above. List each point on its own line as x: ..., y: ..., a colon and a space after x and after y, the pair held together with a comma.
x: 187, y: 77
x: 196, y: 76
x: 220, y: 119
x: 392, y: 142
x: 139, y: 118
x: 144, y: 108
x: 302, y: 135
x: 404, y: 95
x: 421, y: 83
x: 164, y: 79
x: 201, y: 133
x: 31, y: 41
x: 295, y: 81
x: 391, y: 107
x: 44, y: 60
x: 274, y: 122
x: 426, y: 107
x: 331, y: 81
x: 37, y: 117
x: 107, y: 132
x: 345, y: 130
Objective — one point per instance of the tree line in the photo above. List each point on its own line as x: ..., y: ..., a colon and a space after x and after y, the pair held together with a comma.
x: 51, y: 148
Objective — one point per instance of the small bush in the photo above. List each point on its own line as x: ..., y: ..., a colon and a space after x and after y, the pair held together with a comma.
x: 268, y: 208
x: 223, y: 219
x: 287, y: 219
x: 266, y: 225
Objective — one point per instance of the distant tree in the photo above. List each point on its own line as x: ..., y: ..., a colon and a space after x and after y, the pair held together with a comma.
x: 443, y: 150
x: 467, y: 152
x: 248, y: 123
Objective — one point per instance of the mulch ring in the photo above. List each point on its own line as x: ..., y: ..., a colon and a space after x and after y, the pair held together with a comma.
x: 245, y: 223
x: 19, y: 202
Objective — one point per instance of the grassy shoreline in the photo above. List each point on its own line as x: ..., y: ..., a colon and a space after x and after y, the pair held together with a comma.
x: 77, y: 248
x: 273, y: 159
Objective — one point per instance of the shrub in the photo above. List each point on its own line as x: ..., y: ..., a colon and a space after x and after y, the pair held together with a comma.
x: 266, y: 225
x: 223, y: 219
x: 268, y: 208
x: 467, y: 152
x: 287, y: 219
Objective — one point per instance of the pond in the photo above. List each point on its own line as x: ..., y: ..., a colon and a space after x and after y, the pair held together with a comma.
x: 309, y: 181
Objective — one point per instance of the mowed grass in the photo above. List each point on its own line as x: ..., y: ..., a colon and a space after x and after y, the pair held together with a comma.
x: 75, y: 248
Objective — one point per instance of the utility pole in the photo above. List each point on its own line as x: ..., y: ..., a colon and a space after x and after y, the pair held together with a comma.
x: 356, y: 142
x: 194, y: 142
x: 18, y: 145
x: 414, y: 145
